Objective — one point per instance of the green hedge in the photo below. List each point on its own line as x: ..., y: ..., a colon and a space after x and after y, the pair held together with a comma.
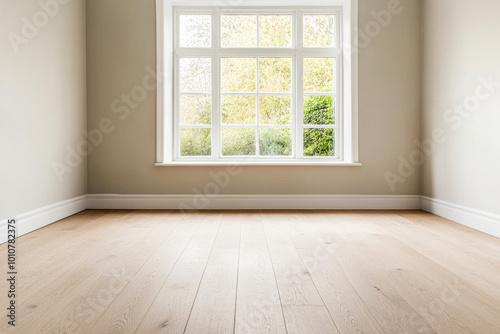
x: 319, y: 110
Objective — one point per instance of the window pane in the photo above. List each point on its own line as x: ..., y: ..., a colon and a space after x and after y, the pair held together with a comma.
x: 319, y: 142
x: 319, y: 75
x: 319, y: 110
x: 239, y: 31
x: 275, y: 31
x: 195, y: 31
x: 196, y: 109
x: 196, y: 75
x: 239, y: 75
x: 238, y: 141
x: 196, y: 142
x: 275, y: 142
x: 319, y: 30
x: 275, y: 75
x: 275, y: 110
x: 239, y: 109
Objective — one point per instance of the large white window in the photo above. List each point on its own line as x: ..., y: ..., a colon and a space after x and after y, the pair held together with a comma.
x: 255, y: 85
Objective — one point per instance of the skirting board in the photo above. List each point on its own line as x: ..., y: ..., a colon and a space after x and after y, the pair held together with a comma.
x: 476, y: 219
x: 38, y: 218
x: 35, y: 219
x: 249, y: 202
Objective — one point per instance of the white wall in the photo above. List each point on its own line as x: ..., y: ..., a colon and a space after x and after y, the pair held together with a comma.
x: 461, y: 46
x: 42, y: 102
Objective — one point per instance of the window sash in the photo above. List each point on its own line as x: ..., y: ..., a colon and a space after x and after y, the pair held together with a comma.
x: 297, y: 53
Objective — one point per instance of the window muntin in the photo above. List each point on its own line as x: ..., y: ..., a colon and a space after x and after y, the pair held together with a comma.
x: 250, y: 95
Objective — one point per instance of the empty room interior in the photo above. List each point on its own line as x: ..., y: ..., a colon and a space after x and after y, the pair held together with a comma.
x: 250, y: 166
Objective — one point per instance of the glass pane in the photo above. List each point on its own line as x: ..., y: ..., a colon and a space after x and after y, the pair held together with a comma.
x: 196, y: 142
x: 195, y: 31
x: 238, y: 141
x: 319, y: 30
x: 275, y: 110
x: 239, y: 75
x: 319, y: 110
x: 275, y: 75
x: 275, y: 31
x: 196, y: 75
x: 319, y: 75
x: 319, y: 142
x: 275, y: 142
x: 239, y: 31
x: 239, y: 109
x: 196, y: 109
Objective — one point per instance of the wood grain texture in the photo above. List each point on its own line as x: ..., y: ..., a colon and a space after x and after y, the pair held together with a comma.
x: 172, y: 306
x: 214, y: 308
x: 251, y: 272
x: 258, y: 308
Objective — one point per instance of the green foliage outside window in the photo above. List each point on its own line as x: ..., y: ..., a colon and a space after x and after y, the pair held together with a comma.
x: 239, y: 76
x: 319, y: 110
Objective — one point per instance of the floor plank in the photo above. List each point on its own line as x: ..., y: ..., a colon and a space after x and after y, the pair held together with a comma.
x: 308, y: 319
x: 214, y: 308
x: 350, y: 313
x: 127, y: 310
x: 258, y: 308
x: 252, y: 272
x: 170, y: 310
x: 294, y: 283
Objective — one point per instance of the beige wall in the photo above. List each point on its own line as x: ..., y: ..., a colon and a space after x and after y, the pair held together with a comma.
x: 121, y: 44
x: 461, y: 46
x: 42, y: 103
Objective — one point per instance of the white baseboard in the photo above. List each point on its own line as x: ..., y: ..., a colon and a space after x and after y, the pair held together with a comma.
x: 38, y: 218
x: 35, y: 219
x: 249, y: 202
x: 476, y: 219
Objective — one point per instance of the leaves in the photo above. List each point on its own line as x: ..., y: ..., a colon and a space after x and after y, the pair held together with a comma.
x: 275, y: 142
x: 275, y: 31
x: 196, y: 142
x: 319, y: 75
x: 319, y: 110
x: 319, y: 30
x: 275, y: 75
x: 239, y: 78
x: 275, y: 110
x: 319, y: 142
x: 239, y: 31
x: 238, y: 141
x: 196, y: 110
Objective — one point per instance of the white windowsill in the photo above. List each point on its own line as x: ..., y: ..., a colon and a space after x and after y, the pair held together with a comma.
x: 258, y: 163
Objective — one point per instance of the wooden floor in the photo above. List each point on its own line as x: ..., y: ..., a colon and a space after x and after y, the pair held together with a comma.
x: 301, y: 272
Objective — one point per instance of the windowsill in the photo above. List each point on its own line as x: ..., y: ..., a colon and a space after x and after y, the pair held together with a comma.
x: 259, y: 163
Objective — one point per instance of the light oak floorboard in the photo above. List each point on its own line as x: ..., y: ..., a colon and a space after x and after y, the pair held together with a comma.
x: 258, y: 308
x: 256, y: 272
x: 172, y: 306
x: 214, y: 308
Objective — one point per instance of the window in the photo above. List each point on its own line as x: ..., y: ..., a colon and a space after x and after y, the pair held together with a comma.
x: 256, y: 85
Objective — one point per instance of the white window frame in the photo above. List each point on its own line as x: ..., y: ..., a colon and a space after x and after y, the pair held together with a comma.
x: 168, y: 11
